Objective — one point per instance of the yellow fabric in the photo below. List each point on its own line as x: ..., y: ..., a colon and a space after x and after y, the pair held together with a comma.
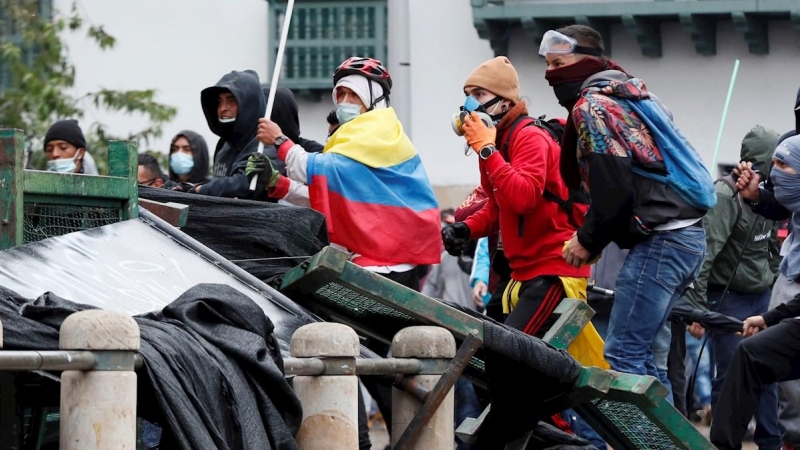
x: 375, y: 139
x: 587, y: 347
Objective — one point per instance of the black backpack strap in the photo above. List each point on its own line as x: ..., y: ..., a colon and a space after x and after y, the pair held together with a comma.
x: 566, y: 205
x: 728, y: 179
x: 511, y: 132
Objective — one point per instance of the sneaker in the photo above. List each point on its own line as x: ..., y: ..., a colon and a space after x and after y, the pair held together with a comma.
x: 705, y: 416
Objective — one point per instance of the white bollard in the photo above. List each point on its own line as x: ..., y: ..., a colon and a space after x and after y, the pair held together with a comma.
x: 330, y: 402
x: 424, y: 342
x: 98, y: 408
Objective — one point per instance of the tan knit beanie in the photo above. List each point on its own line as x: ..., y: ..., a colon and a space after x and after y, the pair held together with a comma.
x: 497, y: 76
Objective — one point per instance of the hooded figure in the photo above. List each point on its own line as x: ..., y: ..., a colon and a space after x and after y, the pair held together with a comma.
x: 796, y: 130
x: 285, y: 114
x: 732, y: 236
x: 238, y: 137
x: 198, y: 164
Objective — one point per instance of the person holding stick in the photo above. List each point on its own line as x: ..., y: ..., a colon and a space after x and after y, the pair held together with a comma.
x: 368, y: 181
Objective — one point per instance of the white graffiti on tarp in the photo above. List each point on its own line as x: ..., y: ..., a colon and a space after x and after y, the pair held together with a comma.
x: 86, y: 276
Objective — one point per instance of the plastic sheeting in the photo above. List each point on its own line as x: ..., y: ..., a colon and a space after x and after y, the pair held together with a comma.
x: 132, y: 267
x: 265, y: 239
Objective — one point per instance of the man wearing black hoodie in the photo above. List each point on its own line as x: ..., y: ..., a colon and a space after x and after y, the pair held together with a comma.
x: 232, y: 108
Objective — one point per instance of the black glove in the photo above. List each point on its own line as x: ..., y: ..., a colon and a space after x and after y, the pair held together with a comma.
x: 455, y: 237
x: 184, y: 187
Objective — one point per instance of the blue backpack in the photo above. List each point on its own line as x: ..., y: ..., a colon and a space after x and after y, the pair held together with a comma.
x: 686, y: 174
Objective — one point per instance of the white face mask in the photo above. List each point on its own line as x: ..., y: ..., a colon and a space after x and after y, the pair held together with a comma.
x: 63, y: 165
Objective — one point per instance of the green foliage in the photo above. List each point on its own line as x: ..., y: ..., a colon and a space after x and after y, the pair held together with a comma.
x: 36, y: 78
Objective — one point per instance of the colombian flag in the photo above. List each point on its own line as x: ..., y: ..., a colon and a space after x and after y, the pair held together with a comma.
x: 371, y: 185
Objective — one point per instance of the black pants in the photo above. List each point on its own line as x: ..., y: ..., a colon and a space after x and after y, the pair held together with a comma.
x: 379, y: 387
x: 676, y: 367
x: 771, y: 356
x: 538, y: 299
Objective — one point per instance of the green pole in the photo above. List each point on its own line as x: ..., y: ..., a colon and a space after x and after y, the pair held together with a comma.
x: 724, y: 117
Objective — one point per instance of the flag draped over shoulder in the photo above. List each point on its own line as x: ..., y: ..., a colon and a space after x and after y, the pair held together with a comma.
x: 370, y: 184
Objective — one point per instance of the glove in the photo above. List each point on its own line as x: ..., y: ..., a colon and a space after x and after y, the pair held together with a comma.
x: 184, y: 187
x: 477, y: 133
x: 259, y: 164
x: 455, y: 237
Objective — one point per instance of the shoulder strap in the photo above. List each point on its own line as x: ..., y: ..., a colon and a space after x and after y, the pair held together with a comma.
x: 520, y: 122
x: 728, y: 179
x: 525, y: 121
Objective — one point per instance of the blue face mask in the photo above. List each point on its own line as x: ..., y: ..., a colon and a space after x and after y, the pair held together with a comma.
x: 470, y: 104
x: 345, y: 112
x: 63, y: 165
x: 181, y: 163
x: 787, y: 188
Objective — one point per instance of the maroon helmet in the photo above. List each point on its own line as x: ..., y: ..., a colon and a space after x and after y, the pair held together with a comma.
x: 367, y: 67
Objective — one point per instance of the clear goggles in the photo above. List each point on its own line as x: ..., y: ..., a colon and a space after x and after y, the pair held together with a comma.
x: 556, y: 43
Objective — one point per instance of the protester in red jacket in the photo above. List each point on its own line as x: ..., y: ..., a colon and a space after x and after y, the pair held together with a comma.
x: 515, y: 179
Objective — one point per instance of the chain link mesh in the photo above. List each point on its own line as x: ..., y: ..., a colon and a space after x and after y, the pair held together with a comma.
x: 45, y: 220
x: 635, y: 425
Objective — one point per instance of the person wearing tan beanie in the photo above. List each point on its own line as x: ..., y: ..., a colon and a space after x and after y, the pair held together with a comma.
x: 519, y: 167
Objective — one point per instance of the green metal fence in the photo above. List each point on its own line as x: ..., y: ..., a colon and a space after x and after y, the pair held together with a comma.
x: 36, y: 205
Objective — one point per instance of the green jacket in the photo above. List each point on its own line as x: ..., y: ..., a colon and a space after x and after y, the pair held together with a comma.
x: 733, y: 229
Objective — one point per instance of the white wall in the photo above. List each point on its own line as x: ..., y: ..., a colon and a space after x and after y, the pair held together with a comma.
x: 178, y: 47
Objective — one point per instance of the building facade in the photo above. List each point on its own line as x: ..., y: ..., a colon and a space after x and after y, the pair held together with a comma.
x: 684, y: 50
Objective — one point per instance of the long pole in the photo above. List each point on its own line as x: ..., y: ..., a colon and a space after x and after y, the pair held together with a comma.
x: 724, y: 116
x: 276, y: 72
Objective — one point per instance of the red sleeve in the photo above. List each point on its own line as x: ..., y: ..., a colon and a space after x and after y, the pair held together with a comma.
x: 519, y: 184
x: 482, y: 222
x: 472, y: 204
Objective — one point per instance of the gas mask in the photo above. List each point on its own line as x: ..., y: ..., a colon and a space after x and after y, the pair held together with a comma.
x: 472, y: 105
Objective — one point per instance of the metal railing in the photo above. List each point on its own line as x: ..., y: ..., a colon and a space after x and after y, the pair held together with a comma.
x: 324, y: 366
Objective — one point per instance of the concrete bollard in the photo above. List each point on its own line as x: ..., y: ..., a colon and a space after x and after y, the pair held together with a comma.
x: 98, y: 408
x: 424, y: 342
x: 330, y: 401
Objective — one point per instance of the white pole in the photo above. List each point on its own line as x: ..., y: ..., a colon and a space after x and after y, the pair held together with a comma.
x: 276, y: 72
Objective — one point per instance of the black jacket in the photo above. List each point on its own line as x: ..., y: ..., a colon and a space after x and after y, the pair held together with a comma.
x: 286, y: 115
x: 199, y: 173
x: 233, y: 149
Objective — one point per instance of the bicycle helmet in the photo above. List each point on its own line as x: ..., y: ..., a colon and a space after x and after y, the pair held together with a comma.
x: 370, y: 68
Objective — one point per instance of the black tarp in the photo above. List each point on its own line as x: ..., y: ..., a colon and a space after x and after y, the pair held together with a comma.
x: 213, y: 373
x: 523, y: 374
x: 265, y: 239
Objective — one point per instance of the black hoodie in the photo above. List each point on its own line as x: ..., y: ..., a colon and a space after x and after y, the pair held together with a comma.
x: 796, y: 130
x: 285, y: 114
x: 199, y: 173
x: 230, y: 156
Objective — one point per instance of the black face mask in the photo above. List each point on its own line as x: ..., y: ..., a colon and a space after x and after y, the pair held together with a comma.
x: 226, y: 129
x: 568, y: 93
